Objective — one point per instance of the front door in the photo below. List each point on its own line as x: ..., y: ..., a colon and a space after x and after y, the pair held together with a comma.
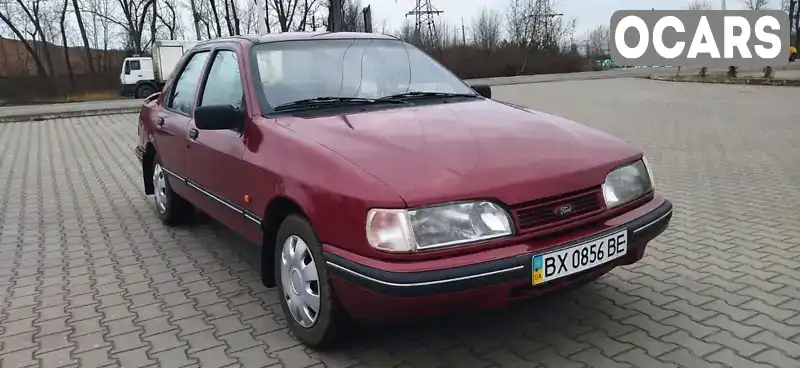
x: 174, y: 118
x: 214, y: 157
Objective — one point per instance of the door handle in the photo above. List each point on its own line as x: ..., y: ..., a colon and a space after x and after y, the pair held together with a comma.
x: 193, y: 133
x: 160, y: 121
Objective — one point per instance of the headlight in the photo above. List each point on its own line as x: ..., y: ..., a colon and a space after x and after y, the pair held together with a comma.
x: 437, y: 226
x: 627, y: 184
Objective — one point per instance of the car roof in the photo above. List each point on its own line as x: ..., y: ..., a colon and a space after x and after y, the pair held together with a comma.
x: 297, y: 36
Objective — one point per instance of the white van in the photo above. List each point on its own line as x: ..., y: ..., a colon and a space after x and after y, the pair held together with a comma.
x: 142, y: 76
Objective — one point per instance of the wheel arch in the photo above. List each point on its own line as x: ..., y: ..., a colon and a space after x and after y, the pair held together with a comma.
x: 147, y: 167
x: 278, y: 209
x: 148, y: 83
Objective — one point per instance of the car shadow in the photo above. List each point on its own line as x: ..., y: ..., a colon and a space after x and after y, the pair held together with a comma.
x: 524, y: 327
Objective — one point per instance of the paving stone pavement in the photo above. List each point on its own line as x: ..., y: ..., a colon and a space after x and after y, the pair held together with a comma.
x: 90, y: 278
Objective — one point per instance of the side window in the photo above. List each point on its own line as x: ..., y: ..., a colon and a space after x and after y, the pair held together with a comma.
x: 135, y: 65
x: 224, y: 83
x: 183, y: 93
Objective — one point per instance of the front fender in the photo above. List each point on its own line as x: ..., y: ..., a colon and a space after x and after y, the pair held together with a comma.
x: 334, y: 193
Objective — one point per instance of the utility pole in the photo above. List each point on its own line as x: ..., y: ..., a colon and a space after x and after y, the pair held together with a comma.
x: 262, y: 25
x: 368, y: 19
x: 463, y: 33
x: 723, y: 5
x: 335, y: 16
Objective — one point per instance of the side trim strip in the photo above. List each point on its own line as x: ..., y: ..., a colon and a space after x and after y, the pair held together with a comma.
x: 173, y: 174
x: 653, y: 222
x: 426, y: 283
x: 234, y: 207
x: 214, y: 197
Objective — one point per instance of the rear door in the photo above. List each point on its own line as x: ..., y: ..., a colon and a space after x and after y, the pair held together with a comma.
x: 173, y: 118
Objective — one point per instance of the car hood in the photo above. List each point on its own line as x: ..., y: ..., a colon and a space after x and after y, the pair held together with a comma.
x: 464, y: 150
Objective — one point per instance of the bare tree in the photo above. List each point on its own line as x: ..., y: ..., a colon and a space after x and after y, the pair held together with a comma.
x: 383, y: 27
x: 154, y: 23
x: 213, y: 6
x: 195, y: 17
x: 517, y: 22
x: 352, y: 21
x: 237, y: 29
x: 33, y: 11
x: 65, y: 45
x: 134, y: 14
x: 598, y: 41
x: 84, y: 37
x: 755, y: 4
x: 228, y: 19
x: 248, y: 17
x: 434, y: 40
x: 307, y: 19
x: 285, y: 11
x: 486, y: 28
x: 25, y: 43
x: 535, y: 24
x: 168, y: 16
x: 101, y: 13
x: 406, y: 31
x: 231, y: 18
x: 699, y: 5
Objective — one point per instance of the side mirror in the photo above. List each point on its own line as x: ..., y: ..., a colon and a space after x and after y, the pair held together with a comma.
x: 219, y: 117
x: 483, y: 90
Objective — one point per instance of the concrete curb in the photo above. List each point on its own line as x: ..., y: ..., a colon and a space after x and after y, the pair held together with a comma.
x: 66, y: 114
x: 754, y: 81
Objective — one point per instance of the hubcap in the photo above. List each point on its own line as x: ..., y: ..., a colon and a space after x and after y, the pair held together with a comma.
x: 160, y: 188
x: 300, y: 281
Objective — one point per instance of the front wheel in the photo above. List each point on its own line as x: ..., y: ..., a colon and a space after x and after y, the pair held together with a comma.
x: 793, y: 57
x: 307, y: 298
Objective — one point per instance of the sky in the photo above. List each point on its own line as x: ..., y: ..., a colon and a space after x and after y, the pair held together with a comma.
x: 587, y: 13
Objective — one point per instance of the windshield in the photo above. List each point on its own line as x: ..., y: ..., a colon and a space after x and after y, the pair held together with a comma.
x: 361, y: 68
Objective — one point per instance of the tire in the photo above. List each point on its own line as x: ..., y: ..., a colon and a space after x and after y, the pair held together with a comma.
x: 171, y: 208
x: 144, y: 91
x: 793, y: 57
x: 321, y: 330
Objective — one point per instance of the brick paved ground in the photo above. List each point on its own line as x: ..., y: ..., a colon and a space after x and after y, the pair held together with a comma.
x: 89, y: 277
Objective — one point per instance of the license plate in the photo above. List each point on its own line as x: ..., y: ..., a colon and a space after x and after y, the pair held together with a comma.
x: 577, y: 258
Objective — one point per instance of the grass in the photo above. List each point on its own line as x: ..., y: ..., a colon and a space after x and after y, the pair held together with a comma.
x: 81, y: 97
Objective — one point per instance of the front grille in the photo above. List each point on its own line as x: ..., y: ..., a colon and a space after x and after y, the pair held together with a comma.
x: 541, y: 214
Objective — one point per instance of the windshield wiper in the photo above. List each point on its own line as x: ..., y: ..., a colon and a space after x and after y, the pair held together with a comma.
x: 332, y: 101
x: 423, y: 94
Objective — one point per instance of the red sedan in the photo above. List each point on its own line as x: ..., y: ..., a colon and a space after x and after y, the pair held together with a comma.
x: 380, y: 186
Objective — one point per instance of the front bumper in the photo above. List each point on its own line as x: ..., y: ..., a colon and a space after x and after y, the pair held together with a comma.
x: 486, y: 275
